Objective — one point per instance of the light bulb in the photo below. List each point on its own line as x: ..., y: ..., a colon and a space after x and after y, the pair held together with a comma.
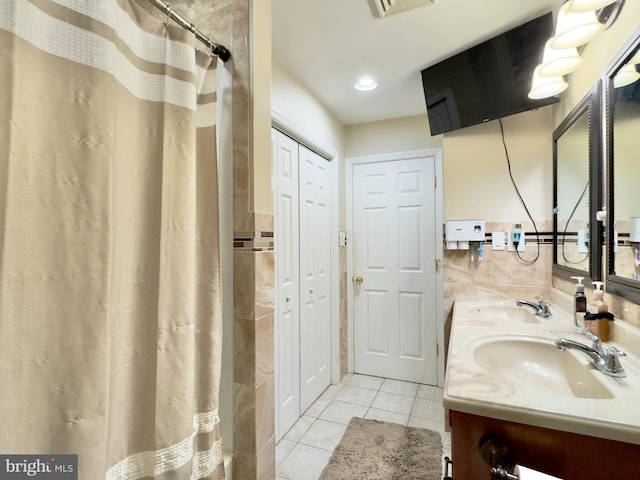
x: 575, y: 29
x: 365, y: 84
x: 544, y: 87
x: 626, y: 76
x: 557, y: 62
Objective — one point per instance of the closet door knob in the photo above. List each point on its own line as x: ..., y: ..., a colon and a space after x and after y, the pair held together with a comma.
x: 358, y: 280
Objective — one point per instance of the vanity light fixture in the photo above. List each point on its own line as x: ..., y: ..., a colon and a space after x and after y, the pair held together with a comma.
x: 577, y: 23
x: 626, y: 76
x: 581, y: 6
x: 365, y: 84
x: 544, y: 87
x: 558, y: 62
x: 575, y: 29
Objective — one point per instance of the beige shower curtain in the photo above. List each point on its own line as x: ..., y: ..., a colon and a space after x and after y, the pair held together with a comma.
x: 110, y: 323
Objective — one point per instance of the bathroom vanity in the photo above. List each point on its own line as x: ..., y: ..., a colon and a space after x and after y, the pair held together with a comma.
x: 557, y: 413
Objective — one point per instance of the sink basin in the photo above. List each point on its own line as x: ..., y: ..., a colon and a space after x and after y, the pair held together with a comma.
x: 511, y: 313
x: 531, y: 363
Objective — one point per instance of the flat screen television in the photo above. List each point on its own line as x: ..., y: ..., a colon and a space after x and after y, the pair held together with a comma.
x: 488, y: 81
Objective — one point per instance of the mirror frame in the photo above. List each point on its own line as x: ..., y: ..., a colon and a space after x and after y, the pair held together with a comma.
x: 620, y: 286
x: 591, y: 105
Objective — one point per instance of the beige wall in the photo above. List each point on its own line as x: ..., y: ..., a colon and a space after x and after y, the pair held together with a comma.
x: 303, y: 109
x: 476, y: 178
x: 261, y: 89
x: 390, y: 136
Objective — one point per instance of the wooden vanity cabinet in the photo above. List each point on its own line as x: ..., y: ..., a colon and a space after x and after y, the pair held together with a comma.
x: 565, y: 455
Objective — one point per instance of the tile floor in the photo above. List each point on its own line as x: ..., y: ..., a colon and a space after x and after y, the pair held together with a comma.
x: 305, y: 450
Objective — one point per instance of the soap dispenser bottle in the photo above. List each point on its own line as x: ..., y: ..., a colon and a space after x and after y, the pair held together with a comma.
x: 580, y: 305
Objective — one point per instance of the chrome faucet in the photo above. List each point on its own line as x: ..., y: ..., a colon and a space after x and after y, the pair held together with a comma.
x: 607, y: 362
x: 541, y: 308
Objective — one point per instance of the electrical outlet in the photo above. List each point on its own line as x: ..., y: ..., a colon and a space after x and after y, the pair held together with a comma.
x: 511, y: 247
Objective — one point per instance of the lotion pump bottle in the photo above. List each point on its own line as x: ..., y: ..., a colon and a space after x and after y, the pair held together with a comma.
x: 580, y: 305
x: 602, y: 323
x: 598, y: 298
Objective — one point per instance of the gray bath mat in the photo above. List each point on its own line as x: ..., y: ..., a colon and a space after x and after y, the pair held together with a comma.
x: 374, y: 450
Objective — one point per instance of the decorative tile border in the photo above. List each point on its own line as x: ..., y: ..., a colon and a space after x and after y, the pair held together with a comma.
x: 253, y: 241
x: 543, y: 238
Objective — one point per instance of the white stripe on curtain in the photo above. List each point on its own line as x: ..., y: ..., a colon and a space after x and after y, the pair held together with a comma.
x: 141, y: 42
x: 88, y: 48
x: 153, y: 463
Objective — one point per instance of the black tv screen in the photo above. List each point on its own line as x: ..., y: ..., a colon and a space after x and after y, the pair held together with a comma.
x: 488, y: 81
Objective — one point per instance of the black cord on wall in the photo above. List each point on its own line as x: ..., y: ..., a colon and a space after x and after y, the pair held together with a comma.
x: 526, y: 209
x: 566, y: 227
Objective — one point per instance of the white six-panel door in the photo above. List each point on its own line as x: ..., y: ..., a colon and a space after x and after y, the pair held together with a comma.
x: 394, y: 255
x: 287, y: 341
x: 302, y: 237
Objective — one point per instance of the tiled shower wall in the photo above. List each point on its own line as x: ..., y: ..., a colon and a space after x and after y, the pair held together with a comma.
x: 254, y: 440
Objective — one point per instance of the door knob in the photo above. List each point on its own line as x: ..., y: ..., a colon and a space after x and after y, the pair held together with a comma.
x: 358, y: 280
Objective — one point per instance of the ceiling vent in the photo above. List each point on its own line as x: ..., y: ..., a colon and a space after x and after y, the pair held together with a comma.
x: 385, y: 7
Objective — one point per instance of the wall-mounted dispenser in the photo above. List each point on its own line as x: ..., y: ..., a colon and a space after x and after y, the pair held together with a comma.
x: 459, y: 233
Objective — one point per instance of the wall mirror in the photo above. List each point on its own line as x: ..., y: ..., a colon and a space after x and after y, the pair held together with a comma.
x: 577, y: 192
x: 623, y: 172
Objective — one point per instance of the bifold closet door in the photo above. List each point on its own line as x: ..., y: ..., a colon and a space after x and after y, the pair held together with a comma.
x: 287, y: 329
x: 303, y: 278
x: 315, y: 277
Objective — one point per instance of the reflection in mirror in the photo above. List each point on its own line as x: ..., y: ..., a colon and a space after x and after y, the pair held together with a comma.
x: 577, y: 192
x: 624, y: 174
x: 572, y: 248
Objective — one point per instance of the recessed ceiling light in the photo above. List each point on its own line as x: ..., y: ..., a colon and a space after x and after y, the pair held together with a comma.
x: 365, y: 84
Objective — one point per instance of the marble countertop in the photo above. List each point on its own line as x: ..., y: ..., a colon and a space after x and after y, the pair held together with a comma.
x: 471, y: 388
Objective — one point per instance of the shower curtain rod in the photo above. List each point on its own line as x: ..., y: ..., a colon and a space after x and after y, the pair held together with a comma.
x: 221, y: 51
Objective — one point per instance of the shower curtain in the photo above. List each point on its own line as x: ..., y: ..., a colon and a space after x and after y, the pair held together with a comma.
x: 110, y: 316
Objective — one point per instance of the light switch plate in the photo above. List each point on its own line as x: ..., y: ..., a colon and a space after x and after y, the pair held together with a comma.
x: 497, y: 240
